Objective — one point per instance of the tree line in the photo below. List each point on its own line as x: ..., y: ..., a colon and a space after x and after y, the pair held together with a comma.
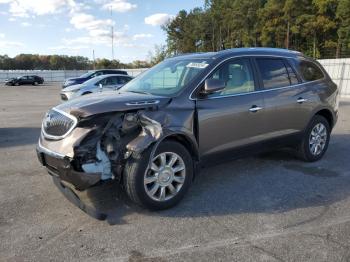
x: 318, y: 28
x: 62, y: 62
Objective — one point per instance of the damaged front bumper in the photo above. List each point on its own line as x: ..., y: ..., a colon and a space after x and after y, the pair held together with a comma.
x: 60, y: 166
x: 92, y: 154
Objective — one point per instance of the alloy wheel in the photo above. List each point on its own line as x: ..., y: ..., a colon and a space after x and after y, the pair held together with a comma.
x: 165, y: 177
x: 318, y: 139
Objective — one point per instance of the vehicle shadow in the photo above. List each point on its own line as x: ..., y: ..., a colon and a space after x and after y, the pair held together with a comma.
x: 269, y: 183
x: 18, y: 136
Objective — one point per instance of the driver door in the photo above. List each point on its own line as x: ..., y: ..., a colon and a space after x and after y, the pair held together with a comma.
x: 23, y: 80
x: 233, y: 117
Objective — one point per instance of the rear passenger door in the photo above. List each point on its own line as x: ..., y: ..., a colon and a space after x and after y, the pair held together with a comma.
x: 285, y: 97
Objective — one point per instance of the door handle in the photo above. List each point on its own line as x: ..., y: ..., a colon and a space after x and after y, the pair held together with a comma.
x: 255, y: 109
x: 301, y: 100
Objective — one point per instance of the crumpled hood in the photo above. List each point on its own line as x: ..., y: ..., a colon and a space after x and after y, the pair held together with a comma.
x: 110, y: 101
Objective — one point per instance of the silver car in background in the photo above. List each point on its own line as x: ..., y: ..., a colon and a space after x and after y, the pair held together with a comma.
x: 94, y: 85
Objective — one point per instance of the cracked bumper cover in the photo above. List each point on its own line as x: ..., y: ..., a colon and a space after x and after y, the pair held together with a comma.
x: 60, y: 166
x: 124, y: 135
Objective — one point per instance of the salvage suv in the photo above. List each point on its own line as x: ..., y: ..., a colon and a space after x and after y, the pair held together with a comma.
x: 155, y: 132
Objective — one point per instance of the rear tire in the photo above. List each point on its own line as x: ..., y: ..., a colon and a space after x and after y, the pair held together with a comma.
x: 35, y: 83
x: 315, y: 141
x: 161, y: 186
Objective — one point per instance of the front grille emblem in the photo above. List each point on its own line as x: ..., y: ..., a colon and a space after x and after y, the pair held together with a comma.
x: 58, y: 124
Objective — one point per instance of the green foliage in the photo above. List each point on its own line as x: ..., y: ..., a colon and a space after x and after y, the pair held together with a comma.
x: 159, y: 54
x: 62, y: 62
x: 343, y: 16
x: 320, y: 28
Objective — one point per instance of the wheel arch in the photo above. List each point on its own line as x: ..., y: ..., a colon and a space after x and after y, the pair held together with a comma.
x: 327, y: 114
x: 186, y: 141
x: 189, y: 143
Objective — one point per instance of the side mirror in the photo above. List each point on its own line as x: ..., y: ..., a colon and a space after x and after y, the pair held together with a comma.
x: 212, y: 86
x: 101, y: 87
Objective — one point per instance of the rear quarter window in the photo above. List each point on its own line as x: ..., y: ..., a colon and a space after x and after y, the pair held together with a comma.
x: 310, y: 71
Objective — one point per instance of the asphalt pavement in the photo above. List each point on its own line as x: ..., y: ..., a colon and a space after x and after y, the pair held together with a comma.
x: 271, y: 207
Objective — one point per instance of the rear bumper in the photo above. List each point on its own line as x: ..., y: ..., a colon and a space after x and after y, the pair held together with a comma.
x: 336, y: 116
x: 60, y: 166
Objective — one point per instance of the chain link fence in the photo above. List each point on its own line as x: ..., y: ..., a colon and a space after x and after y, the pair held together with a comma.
x: 339, y: 71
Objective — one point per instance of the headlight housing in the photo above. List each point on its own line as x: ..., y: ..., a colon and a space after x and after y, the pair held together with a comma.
x: 75, y: 90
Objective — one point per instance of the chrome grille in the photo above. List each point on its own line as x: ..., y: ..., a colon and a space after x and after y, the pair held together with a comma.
x: 57, y: 124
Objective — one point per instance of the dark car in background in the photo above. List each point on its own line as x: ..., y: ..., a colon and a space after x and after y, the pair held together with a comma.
x: 89, y: 75
x: 25, y: 80
x: 158, y: 129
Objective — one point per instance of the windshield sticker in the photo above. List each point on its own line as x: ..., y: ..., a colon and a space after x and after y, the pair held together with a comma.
x: 197, y: 65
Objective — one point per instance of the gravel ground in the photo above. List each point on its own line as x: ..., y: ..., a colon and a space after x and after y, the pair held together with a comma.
x: 266, y: 208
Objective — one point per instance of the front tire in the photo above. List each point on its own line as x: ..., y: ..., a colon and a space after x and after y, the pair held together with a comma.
x: 165, y: 182
x: 316, y: 139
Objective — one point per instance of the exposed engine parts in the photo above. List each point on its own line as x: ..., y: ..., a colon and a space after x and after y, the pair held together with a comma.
x: 125, y: 135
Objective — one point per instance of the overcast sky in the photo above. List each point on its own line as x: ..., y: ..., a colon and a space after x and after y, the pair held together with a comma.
x: 76, y: 27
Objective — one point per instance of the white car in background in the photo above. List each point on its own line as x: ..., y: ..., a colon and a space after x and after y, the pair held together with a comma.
x: 94, y: 85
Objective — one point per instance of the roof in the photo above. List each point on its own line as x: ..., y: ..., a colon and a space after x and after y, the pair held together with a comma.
x: 106, y: 69
x: 241, y: 51
x: 105, y: 76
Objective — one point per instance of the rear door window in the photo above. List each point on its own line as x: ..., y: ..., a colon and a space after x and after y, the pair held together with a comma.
x: 309, y: 71
x: 273, y: 73
x: 123, y: 80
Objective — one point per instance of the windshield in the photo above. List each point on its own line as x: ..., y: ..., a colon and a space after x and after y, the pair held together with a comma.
x: 87, y: 74
x: 166, y: 78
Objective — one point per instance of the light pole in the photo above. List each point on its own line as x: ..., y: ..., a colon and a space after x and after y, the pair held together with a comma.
x: 112, y: 33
